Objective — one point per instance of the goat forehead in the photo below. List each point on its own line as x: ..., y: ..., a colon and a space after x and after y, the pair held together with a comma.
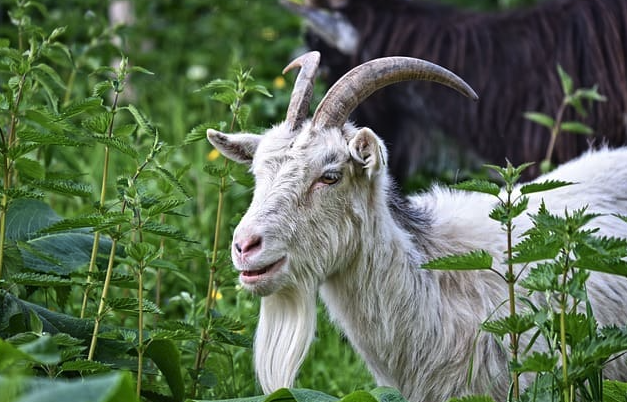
x: 305, y: 150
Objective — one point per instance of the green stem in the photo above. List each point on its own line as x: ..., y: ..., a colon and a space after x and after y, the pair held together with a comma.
x: 511, y: 281
x: 140, y: 325
x: 563, y: 300
x: 103, y: 194
x: 7, y: 182
x: 103, y: 299
x: 555, y: 132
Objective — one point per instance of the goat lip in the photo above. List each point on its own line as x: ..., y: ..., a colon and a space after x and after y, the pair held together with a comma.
x: 249, y: 276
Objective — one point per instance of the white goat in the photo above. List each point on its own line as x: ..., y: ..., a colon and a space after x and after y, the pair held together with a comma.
x: 325, y: 217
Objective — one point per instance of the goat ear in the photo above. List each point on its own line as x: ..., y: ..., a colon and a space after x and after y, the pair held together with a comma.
x: 368, y: 150
x: 237, y: 147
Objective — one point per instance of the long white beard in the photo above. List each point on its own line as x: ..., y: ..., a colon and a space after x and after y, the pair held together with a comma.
x: 287, y: 323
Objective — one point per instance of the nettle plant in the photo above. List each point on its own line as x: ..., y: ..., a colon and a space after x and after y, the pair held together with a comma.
x: 83, y: 295
x: 547, y: 269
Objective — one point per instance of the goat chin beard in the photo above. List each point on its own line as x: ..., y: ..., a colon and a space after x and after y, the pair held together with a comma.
x: 287, y: 323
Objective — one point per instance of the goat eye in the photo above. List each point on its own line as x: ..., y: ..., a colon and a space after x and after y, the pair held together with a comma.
x: 329, y: 178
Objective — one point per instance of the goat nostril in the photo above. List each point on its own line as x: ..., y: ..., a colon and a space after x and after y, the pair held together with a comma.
x: 249, y: 245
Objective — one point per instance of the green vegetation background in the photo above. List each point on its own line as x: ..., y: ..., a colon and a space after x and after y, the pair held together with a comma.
x: 187, y: 44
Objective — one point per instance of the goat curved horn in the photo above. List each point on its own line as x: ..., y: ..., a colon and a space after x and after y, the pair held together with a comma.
x: 303, y: 88
x: 360, y: 82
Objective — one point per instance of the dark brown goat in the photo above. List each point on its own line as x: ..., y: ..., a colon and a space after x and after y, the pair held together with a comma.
x: 509, y: 58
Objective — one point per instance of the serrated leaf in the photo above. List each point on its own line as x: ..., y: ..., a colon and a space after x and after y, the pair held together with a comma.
x: 199, y: 133
x: 65, y: 187
x: 166, y: 231
x: 576, y: 127
x: 226, y: 97
x: 174, y: 182
x: 165, y: 206
x: 51, y: 74
x: 536, y: 363
x: 85, y: 221
x: 101, y: 87
x: 81, y: 106
x: 40, y: 280
x: 511, y: 324
x: 46, y: 138
x: 117, y: 143
x: 540, y: 118
x: 218, y: 84
x: 131, y: 305
x: 85, y: 366
x: 478, y: 259
x: 142, y: 121
x: 543, y: 186
x: 98, y: 124
x: 478, y: 186
x: 29, y: 168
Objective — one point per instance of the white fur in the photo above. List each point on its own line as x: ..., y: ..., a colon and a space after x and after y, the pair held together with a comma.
x: 416, y: 329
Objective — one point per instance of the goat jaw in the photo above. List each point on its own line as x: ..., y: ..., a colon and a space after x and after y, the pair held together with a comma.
x: 262, y: 279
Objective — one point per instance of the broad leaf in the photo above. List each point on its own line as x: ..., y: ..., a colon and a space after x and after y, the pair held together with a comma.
x: 479, y: 259
x: 543, y: 186
x: 166, y: 356
x: 479, y: 186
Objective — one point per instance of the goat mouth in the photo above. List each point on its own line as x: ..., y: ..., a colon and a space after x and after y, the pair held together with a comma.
x: 254, y: 275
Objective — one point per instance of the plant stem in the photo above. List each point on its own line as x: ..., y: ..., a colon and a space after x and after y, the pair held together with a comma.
x: 7, y: 182
x: 103, y: 298
x: 511, y: 281
x: 555, y: 131
x: 103, y: 193
x: 563, y: 300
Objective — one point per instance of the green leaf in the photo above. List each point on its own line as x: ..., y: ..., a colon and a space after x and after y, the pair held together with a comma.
x: 576, y: 128
x: 101, y: 87
x: 142, y: 70
x: 511, y: 324
x: 567, y: 82
x: 172, y: 179
x: 543, y: 186
x: 142, y: 121
x: 540, y: 118
x: 98, y: 124
x: 117, y: 143
x: 359, y: 396
x: 165, y: 206
x: 590, y: 94
x: 65, y: 187
x: 537, y: 362
x: 78, y: 107
x: 166, y: 231
x: 40, y: 280
x: 47, y: 138
x: 614, y: 391
x: 478, y: 186
x: 30, y: 168
x: 299, y: 395
x: 166, y: 356
x: 85, y: 366
x: 260, y: 89
x: 479, y: 259
x: 43, y: 350
x: 387, y: 394
x: 131, y: 305
x: 111, y: 387
x: 199, y: 133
